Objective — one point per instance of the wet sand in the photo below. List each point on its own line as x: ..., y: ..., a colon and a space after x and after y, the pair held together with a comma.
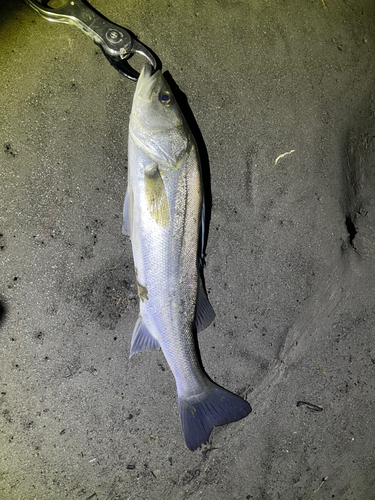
x: 283, y: 95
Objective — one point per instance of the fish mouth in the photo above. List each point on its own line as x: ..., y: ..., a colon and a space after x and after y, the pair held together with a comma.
x: 146, y: 82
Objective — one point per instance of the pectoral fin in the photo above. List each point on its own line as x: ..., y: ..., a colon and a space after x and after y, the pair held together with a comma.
x: 157, y: 201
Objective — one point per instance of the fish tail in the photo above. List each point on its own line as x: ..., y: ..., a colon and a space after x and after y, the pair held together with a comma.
x: 200, y: 414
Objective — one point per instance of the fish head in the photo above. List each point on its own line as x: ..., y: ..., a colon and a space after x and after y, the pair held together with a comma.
x: 156, y: 122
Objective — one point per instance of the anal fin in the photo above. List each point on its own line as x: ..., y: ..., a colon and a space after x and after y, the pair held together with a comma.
x: 142, y: 339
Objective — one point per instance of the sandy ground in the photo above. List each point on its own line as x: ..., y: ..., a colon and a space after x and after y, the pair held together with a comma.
x: 290, y: 255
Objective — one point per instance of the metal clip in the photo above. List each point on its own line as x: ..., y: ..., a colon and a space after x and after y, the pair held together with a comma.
x: 117, y: 43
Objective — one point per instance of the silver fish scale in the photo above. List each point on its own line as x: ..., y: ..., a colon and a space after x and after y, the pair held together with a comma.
x: 166, y: 263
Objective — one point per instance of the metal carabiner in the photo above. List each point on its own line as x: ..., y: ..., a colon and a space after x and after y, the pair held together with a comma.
x: 117, y: 43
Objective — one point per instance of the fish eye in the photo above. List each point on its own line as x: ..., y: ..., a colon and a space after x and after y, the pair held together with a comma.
x: 165, y: 98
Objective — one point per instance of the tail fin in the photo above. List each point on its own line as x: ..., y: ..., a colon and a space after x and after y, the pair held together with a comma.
x: 200, y: 414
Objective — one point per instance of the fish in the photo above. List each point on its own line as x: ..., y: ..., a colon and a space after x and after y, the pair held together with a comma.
x: 164, y: 215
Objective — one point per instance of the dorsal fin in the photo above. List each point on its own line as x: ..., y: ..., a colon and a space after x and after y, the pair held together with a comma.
x: 204, y: 313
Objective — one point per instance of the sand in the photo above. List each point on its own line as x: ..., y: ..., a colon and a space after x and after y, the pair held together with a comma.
x: 282, y: 93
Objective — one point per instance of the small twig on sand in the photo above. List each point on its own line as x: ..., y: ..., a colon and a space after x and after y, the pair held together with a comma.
x: 321, y: 484
x: 324, y: 4
x: 312, y: 407
x: 284, y: 154
x: 309, y: 494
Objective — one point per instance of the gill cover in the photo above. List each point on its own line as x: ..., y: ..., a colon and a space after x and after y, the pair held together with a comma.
x: 156, y: 123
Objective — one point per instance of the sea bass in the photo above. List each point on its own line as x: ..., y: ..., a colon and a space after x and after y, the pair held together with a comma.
x: 164, y: 217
